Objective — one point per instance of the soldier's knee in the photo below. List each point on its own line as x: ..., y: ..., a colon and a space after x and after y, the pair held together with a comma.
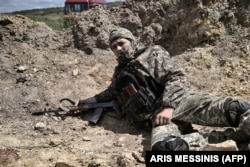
x: 234, y: 109
x: 171, y: 143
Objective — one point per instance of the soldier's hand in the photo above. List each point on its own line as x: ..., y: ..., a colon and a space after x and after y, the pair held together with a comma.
x: 82, y: 102
x: 164, y: 117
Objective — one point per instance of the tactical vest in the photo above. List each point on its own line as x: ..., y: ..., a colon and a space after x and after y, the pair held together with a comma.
x: 138, y: 96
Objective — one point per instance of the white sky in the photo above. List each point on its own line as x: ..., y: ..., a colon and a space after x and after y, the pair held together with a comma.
x: 7, y: 6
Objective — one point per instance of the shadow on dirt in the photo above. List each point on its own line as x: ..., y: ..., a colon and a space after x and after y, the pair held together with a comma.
x: 110, y: 122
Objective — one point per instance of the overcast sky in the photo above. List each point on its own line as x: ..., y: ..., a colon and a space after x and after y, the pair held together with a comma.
x: 17, y: 5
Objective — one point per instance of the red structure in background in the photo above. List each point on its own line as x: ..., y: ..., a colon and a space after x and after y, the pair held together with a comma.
x: 74, y: 7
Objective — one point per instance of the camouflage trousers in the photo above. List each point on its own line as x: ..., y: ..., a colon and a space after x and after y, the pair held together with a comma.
x: 202, y: 109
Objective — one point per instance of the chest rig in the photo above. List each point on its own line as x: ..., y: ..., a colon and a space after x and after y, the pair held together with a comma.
x: 138, y: 94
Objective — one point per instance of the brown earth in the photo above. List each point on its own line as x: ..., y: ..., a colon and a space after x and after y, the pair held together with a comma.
x: 38, y: 66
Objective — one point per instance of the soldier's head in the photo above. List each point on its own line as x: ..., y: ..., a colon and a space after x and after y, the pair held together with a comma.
x: 123, y: 43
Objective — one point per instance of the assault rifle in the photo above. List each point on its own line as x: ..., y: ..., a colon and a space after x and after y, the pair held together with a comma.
x: 97, y: 107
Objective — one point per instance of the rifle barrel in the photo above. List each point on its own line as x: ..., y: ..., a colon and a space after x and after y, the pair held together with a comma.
x: 41, y: 112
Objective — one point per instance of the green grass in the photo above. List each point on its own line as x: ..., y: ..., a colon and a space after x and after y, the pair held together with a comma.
x: 53, y: 17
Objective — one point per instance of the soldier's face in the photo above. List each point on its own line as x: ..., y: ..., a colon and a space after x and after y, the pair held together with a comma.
x: 120, y: 44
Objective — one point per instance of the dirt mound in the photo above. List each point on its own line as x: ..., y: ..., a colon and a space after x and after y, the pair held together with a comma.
x: 39, y: 66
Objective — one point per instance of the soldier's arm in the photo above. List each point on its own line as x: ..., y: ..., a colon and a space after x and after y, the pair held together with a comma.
x: 168, y: 74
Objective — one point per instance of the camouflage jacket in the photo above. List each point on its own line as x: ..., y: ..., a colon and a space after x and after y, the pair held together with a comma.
x: 154, y: 61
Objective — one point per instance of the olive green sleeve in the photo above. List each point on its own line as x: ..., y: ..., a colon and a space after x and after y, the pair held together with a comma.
x: 106, y: 95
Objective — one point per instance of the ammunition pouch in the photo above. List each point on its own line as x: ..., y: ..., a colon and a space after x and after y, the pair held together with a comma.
x: 143, y: 99
x: 144, y: 96
x: 138, y: 107
x: 137, y: 98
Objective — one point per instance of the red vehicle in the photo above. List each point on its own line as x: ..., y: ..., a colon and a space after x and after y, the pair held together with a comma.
x: 74, y: 7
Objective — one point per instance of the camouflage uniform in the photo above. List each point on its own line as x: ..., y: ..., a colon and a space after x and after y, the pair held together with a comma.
x: 189, y: 107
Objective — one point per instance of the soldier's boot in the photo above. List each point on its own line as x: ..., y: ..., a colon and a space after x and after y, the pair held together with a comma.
x: 239, y: 137
x: 171, y: 143
x: 234, y: 109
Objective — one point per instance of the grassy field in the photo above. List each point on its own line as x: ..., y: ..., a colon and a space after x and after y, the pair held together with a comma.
x: 53, y: 17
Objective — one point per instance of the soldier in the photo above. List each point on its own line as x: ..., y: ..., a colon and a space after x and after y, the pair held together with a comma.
x: 152, y: 89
